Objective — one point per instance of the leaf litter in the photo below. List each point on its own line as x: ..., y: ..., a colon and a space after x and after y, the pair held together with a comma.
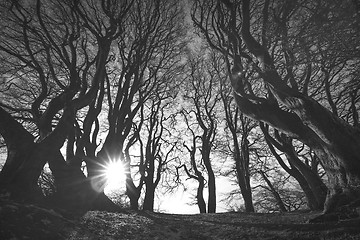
x: 26, y: 221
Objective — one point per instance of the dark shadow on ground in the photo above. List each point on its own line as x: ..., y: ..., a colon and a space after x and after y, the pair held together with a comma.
x: 29, y: 221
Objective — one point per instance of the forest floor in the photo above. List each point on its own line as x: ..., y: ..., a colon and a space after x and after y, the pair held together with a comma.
x: 26, y: 221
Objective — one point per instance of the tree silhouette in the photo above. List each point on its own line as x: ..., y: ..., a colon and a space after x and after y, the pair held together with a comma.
x: 203, y: 96
x: 66, y: 64
x: 310, y: 182
x: 53, y: 52
x: 279, y: 59
x: 239, y: 128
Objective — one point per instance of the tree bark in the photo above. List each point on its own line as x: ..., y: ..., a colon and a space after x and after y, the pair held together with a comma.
x: 211, y: 178
x: 334, y: 141
x: 310, y: 182
x: 200, y: 195
x: 276, y: 195
x: 149, y: 182
x: 149, y: 197
x: 212, y: 192
x: 26, y: 160
x: 240, y: 151
x: 199, y: 178
x: 132, y: 192
x: 316, y: 186
x: 243, y: 177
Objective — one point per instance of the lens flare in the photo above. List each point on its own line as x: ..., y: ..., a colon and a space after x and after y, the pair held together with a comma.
x: 115, y: 175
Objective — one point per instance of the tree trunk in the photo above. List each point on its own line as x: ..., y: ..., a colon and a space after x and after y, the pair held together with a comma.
x: 246, y: 192
x: 75, y: 191
x: 343, y: 182
x: 151, y: 184
x: 242, y: 167
x: 310, y: 182
x: 240, y: 154
x: 211, y: 179
x: 21, y: 171
x: 313, y: 186
x: 200, y: 195
x: 25, y: 159
x: 212, y: 192
x: 149, y: 181
x: 149, y: 198
x: 244, y: 183
x: 335, y: 142
x: 337, y: 147
x: 276, y: 195
x: 132, y: 192
x: 198, y: 177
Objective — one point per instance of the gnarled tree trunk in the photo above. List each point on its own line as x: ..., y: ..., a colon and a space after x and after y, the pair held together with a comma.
x: 334, y: 141
x: 26, y: 159
x: 313, y: 187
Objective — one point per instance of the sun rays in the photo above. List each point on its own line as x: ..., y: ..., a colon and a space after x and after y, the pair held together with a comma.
x: 114, y: 173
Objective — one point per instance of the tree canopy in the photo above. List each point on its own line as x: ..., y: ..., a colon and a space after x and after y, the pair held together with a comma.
x: 264, y: 93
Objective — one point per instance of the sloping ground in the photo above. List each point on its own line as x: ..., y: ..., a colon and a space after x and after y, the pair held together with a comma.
x: 23, y: 221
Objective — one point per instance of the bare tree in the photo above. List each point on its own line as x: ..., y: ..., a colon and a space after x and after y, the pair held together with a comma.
x: 203, y: 95
x: 193, y: 172
x: 157, y: 149
x: 239, y: 128
x: 140, y: 57
x: 310, y: 181
x: 274, y: 192
x: 52, y: 50
x: 283, y: 92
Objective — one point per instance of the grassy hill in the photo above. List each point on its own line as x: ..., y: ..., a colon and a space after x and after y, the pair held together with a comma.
x: 26, y: 221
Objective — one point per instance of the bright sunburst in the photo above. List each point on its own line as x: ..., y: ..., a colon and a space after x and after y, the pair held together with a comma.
x: 115, y: 175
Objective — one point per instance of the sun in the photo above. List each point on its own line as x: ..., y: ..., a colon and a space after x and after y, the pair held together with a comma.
x: 115, y: 175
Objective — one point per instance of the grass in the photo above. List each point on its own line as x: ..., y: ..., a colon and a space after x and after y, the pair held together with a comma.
x: 25, y: 221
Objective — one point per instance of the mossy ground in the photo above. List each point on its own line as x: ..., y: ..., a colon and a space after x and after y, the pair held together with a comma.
x: 27, y: 221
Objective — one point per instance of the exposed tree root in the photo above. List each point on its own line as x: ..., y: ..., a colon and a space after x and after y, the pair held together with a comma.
x: 348, y: 211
